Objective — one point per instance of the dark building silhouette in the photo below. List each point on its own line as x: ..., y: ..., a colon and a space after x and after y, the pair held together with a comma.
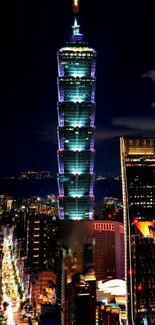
x: 50, y: 314
x: 88, y: 261
x: 81, y: 300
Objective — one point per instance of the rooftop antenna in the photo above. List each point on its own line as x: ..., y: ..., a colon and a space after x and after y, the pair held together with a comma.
x: 76, y: 7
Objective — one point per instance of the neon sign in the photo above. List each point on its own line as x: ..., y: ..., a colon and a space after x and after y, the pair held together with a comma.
x: 104, y: 226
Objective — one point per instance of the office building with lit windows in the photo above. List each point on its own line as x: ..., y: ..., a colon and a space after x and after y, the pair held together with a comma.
x: 109, y: 240
x: 42, y: 230
x: 76, y: 117
x: 138, y: 185
x: 94, y: 244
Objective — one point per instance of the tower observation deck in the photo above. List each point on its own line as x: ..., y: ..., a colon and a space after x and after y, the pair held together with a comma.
x: 76, y: 118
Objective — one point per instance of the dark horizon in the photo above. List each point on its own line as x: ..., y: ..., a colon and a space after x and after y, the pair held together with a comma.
x: 20, y: 188
x: 33, y: 32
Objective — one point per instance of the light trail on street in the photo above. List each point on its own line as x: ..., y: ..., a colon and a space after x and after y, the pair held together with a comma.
x: 9, y: 286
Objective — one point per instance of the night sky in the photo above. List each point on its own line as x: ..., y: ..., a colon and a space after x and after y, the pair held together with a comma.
x: 123, y: 33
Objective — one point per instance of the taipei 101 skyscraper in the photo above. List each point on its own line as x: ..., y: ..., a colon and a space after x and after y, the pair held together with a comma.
x: 76, y: 117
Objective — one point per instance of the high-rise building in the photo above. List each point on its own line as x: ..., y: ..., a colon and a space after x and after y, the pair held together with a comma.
x: 138, y: 186
x: 109, y: 240
x: 95, y: 243
x: 76, y: 117
x: 19, y: 221
x: 81, y: 300
x: 42, y: 230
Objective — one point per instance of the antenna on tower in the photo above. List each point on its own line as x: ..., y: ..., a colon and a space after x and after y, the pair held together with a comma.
x: 75, y: 6
x: 76, y: 27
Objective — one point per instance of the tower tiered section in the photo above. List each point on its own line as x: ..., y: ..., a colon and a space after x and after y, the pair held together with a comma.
x: 76, y: 118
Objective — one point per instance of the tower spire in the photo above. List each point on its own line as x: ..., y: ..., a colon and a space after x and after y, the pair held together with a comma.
x: 76, y: 27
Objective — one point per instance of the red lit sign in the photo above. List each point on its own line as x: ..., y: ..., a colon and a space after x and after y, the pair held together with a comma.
x: 104, y: 226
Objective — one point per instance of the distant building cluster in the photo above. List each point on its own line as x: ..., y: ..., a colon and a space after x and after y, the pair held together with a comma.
x: 35, y: 175
x: 107, y: 176
x: 44, y: 174
x: 112, y: 209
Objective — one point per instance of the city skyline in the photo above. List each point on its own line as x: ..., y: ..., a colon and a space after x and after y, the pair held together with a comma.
x: 125, y: 101
x: 82, y: 255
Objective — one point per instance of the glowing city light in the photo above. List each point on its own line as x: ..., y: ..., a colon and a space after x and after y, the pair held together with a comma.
x: 75, y: 6
x: 77, y: 149
x: 77, y: 100
x: 9, y: 285
x: 143, y: 227
x: 76, y: 195
x: 139, y: 287
x: 78, y: 75
x: 114, y: 287
x: 78, y: 49
x: 130, y: 272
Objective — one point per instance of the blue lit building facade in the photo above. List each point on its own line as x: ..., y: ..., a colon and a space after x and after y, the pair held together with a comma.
x: 76, y: 118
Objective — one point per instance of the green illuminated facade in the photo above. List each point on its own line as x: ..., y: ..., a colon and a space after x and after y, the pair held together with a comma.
x: 76, y: 117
